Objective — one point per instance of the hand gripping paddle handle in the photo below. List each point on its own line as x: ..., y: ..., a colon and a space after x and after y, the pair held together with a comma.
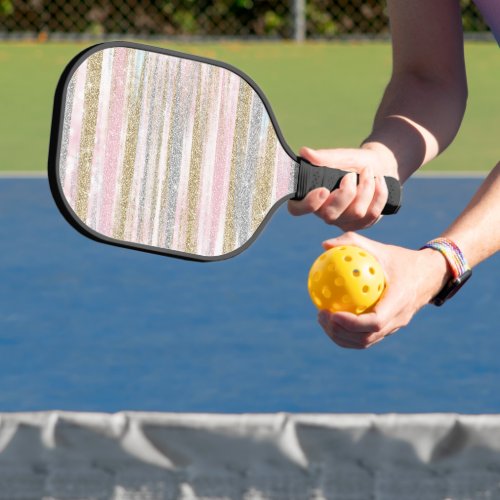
x: 311, y: 177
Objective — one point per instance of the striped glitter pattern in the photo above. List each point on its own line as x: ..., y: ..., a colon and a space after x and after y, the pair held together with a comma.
x: 170, y: 153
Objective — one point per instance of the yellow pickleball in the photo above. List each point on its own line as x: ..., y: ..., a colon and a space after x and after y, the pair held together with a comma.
x: 346, y: 278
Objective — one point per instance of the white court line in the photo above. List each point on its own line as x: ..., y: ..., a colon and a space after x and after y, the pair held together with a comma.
x: 454, y: 174
x: 23, y: 175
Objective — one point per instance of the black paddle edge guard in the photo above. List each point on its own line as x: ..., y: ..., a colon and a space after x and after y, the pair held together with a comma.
x: 312, y: 177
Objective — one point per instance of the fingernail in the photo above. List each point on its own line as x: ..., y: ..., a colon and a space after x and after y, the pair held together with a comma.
x: 347, y: 178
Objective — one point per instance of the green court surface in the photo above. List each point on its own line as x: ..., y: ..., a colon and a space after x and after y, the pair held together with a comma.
x: 323, y: 95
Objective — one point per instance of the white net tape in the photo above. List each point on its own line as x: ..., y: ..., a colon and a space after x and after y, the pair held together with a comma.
x: 160, y: 456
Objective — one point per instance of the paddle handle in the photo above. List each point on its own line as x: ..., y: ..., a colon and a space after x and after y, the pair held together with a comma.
x: 311, y: 177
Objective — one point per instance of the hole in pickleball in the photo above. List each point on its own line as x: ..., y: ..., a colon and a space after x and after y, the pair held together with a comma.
x: 360, y: 309
x: 362, y: 254
x: 339, y: 281
x: 330, y: 268
x: 366, y: 289
x: 317, y: 276
x: 337, y: 306
x: 372, y: 270
x: 379, y: 287
x: 348, y: 258
x: 346, y: 299
x: 326, y: 292
x: 356, y: 273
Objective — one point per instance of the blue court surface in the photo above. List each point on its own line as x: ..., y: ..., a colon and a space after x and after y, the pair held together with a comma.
x: 90, y: 327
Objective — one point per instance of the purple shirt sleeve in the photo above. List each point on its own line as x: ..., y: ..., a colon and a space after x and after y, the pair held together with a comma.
x: 490, y: 9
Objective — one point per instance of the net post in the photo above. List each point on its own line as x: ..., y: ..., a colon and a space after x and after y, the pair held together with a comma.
x: 299, y: 20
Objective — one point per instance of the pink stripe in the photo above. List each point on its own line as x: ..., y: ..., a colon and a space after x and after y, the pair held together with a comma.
x: 283, y: 168
x: 148, y: 178
x: 230, y: 86
x: 114, y: 129
x: 207, y: 199
x: 75, y: 130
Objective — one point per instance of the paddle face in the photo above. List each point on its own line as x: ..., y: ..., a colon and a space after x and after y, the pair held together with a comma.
x: 159, y: 151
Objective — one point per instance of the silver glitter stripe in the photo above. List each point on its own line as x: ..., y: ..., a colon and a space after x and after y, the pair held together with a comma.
x: 150, y: 153
x: 294, y: 176
x: 182, y: 102
x: 246, y: 175
x: 234, y: 219
x: 153, y: 182
x: 70, y: 94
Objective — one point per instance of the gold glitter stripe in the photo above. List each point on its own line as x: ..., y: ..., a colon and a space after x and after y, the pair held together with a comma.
x: 199, y: 139
x: 151, y: 108
x: 133, y: 118
x: 264, y: 180
x: 243, y: 110
x: 87, y: 140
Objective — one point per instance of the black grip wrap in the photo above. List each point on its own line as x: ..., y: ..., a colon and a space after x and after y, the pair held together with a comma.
x: 311, y: 177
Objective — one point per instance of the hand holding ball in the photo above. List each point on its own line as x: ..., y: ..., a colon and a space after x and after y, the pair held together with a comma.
x: 346, y: 278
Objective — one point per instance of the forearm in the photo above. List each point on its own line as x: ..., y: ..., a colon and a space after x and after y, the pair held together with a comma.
x: 477, y: 230
x: 416, y: 120
x: 424, y: 103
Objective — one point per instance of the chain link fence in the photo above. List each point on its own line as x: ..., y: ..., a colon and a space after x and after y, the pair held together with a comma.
x: 286, y: 19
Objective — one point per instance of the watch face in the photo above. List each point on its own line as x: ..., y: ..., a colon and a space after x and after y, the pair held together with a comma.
x: 451, y: 288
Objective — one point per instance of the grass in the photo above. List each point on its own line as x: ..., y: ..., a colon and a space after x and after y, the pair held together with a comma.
x: 323, y: 95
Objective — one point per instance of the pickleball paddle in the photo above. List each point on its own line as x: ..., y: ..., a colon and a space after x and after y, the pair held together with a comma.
x: 171, y: 153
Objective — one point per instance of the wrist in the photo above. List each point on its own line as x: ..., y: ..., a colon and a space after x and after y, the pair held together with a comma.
x: 437, y: 272
x: 386, y: 156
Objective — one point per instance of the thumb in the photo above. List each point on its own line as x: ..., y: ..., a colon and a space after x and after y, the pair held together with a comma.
x: 338, y: 158
x: 349, y: 238
x: 311, y: 155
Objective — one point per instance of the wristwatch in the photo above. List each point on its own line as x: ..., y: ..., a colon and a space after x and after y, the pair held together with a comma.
x: 460, y: 270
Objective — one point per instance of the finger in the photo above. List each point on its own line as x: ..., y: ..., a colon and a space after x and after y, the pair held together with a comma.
x: 362, y: 340
x: 380, y: 196
x: 365, y: 191
x: 311, y: 203
x: 341, y: 340
x: 338, y: 201
x: 338, y: 334
x: 384, y: 318
x: 362, y: 324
